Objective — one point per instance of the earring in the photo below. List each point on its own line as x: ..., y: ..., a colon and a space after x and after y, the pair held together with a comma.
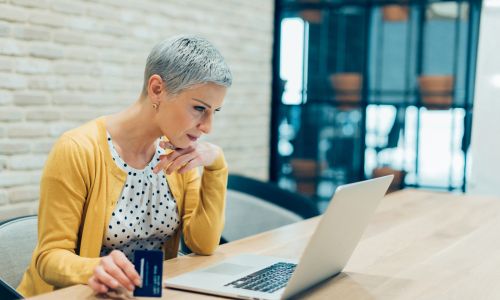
x: 155, y: 106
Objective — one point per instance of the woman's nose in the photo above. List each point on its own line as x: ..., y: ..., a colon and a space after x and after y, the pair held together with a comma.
x: 205, y: 125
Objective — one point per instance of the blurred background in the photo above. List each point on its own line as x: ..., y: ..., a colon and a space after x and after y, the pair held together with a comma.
x: 326, y: 92
x: 374, y: 88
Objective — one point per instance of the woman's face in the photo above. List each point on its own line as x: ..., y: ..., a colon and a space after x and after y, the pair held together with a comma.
x: 184, y: 117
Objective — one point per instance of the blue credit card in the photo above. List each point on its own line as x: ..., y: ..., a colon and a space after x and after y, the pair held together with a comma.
x: 149, y: 265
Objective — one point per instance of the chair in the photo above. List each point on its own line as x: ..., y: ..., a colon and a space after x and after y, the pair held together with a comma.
x: 254, y: 206
x: 18, y: 238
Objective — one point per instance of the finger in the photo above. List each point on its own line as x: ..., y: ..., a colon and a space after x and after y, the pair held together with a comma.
x: 180, y: 162
x: 189, y: 166
x: 104, y: 278
x: 167, y: 145
x: 117, y: 273
x: 166, y: 159
x: 97, y: 286
x: 129, y: 269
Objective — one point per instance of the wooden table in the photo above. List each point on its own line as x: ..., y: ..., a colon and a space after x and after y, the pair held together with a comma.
x: 419, y: 244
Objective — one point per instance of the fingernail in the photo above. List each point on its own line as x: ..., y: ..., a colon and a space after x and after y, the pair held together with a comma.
x: 138, y: 282
x: 131, y: 287
x: 115, y: 284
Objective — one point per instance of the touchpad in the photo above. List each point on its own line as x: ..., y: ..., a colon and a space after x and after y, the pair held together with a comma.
x: 227, y: 269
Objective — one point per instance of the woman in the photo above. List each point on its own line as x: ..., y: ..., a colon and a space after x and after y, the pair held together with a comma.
x: 130, y: 180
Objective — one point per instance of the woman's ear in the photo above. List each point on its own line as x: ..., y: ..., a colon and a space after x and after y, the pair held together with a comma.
x: 155, y: 87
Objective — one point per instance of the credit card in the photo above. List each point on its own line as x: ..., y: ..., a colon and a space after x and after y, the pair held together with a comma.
x: 149, y: 265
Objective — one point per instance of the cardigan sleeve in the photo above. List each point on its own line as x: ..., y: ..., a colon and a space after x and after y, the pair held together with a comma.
x: 203, y: 218
x: 63, y: 190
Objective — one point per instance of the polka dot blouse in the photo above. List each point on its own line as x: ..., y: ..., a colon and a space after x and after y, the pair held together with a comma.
x: 145, y: 216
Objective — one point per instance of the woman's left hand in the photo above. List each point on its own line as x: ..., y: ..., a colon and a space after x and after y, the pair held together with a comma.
x: 183, y: 160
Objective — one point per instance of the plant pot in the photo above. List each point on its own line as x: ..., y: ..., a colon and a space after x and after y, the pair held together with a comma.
x: 306, y: 188
x: 304, y: 168
x: 311, y: 15
x: 304, y: 171
x: 347, y: 87
x: 436, y: 91
x: 395, y: 13
x: 397, y: 182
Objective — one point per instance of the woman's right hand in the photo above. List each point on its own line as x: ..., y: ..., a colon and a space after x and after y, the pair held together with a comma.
x: 113, y: 271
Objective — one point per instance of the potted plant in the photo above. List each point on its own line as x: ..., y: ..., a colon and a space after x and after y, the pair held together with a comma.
x: 436, y: 91
x: 399, y: 176
x: 347, y: 88
x: 386, y: 168
x: 311, y: 15
x: 395, y: 13
x: 304, y: 171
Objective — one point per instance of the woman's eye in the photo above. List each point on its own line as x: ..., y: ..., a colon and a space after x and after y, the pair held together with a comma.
x: 199, y: 108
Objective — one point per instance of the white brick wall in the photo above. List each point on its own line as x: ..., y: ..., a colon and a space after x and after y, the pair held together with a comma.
x: 64, y: 62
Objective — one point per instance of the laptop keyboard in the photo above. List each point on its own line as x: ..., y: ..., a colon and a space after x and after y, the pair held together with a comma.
x: 267, y: 280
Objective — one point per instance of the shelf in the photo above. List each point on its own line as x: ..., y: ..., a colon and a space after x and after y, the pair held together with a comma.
x: 318, y: 4
x: 364, y: 104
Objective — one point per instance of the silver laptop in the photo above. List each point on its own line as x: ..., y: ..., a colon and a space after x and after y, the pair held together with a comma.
x: 330, y: 247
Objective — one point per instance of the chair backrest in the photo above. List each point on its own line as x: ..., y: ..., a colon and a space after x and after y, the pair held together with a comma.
x: 18, y: 240
x: 272, y: 193
x: 254, y: 206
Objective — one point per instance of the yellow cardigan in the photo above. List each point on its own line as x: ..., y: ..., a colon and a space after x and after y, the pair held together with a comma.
x: 79, y: 189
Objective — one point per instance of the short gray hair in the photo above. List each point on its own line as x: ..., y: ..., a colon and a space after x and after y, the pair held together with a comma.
x: 184, y: 61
